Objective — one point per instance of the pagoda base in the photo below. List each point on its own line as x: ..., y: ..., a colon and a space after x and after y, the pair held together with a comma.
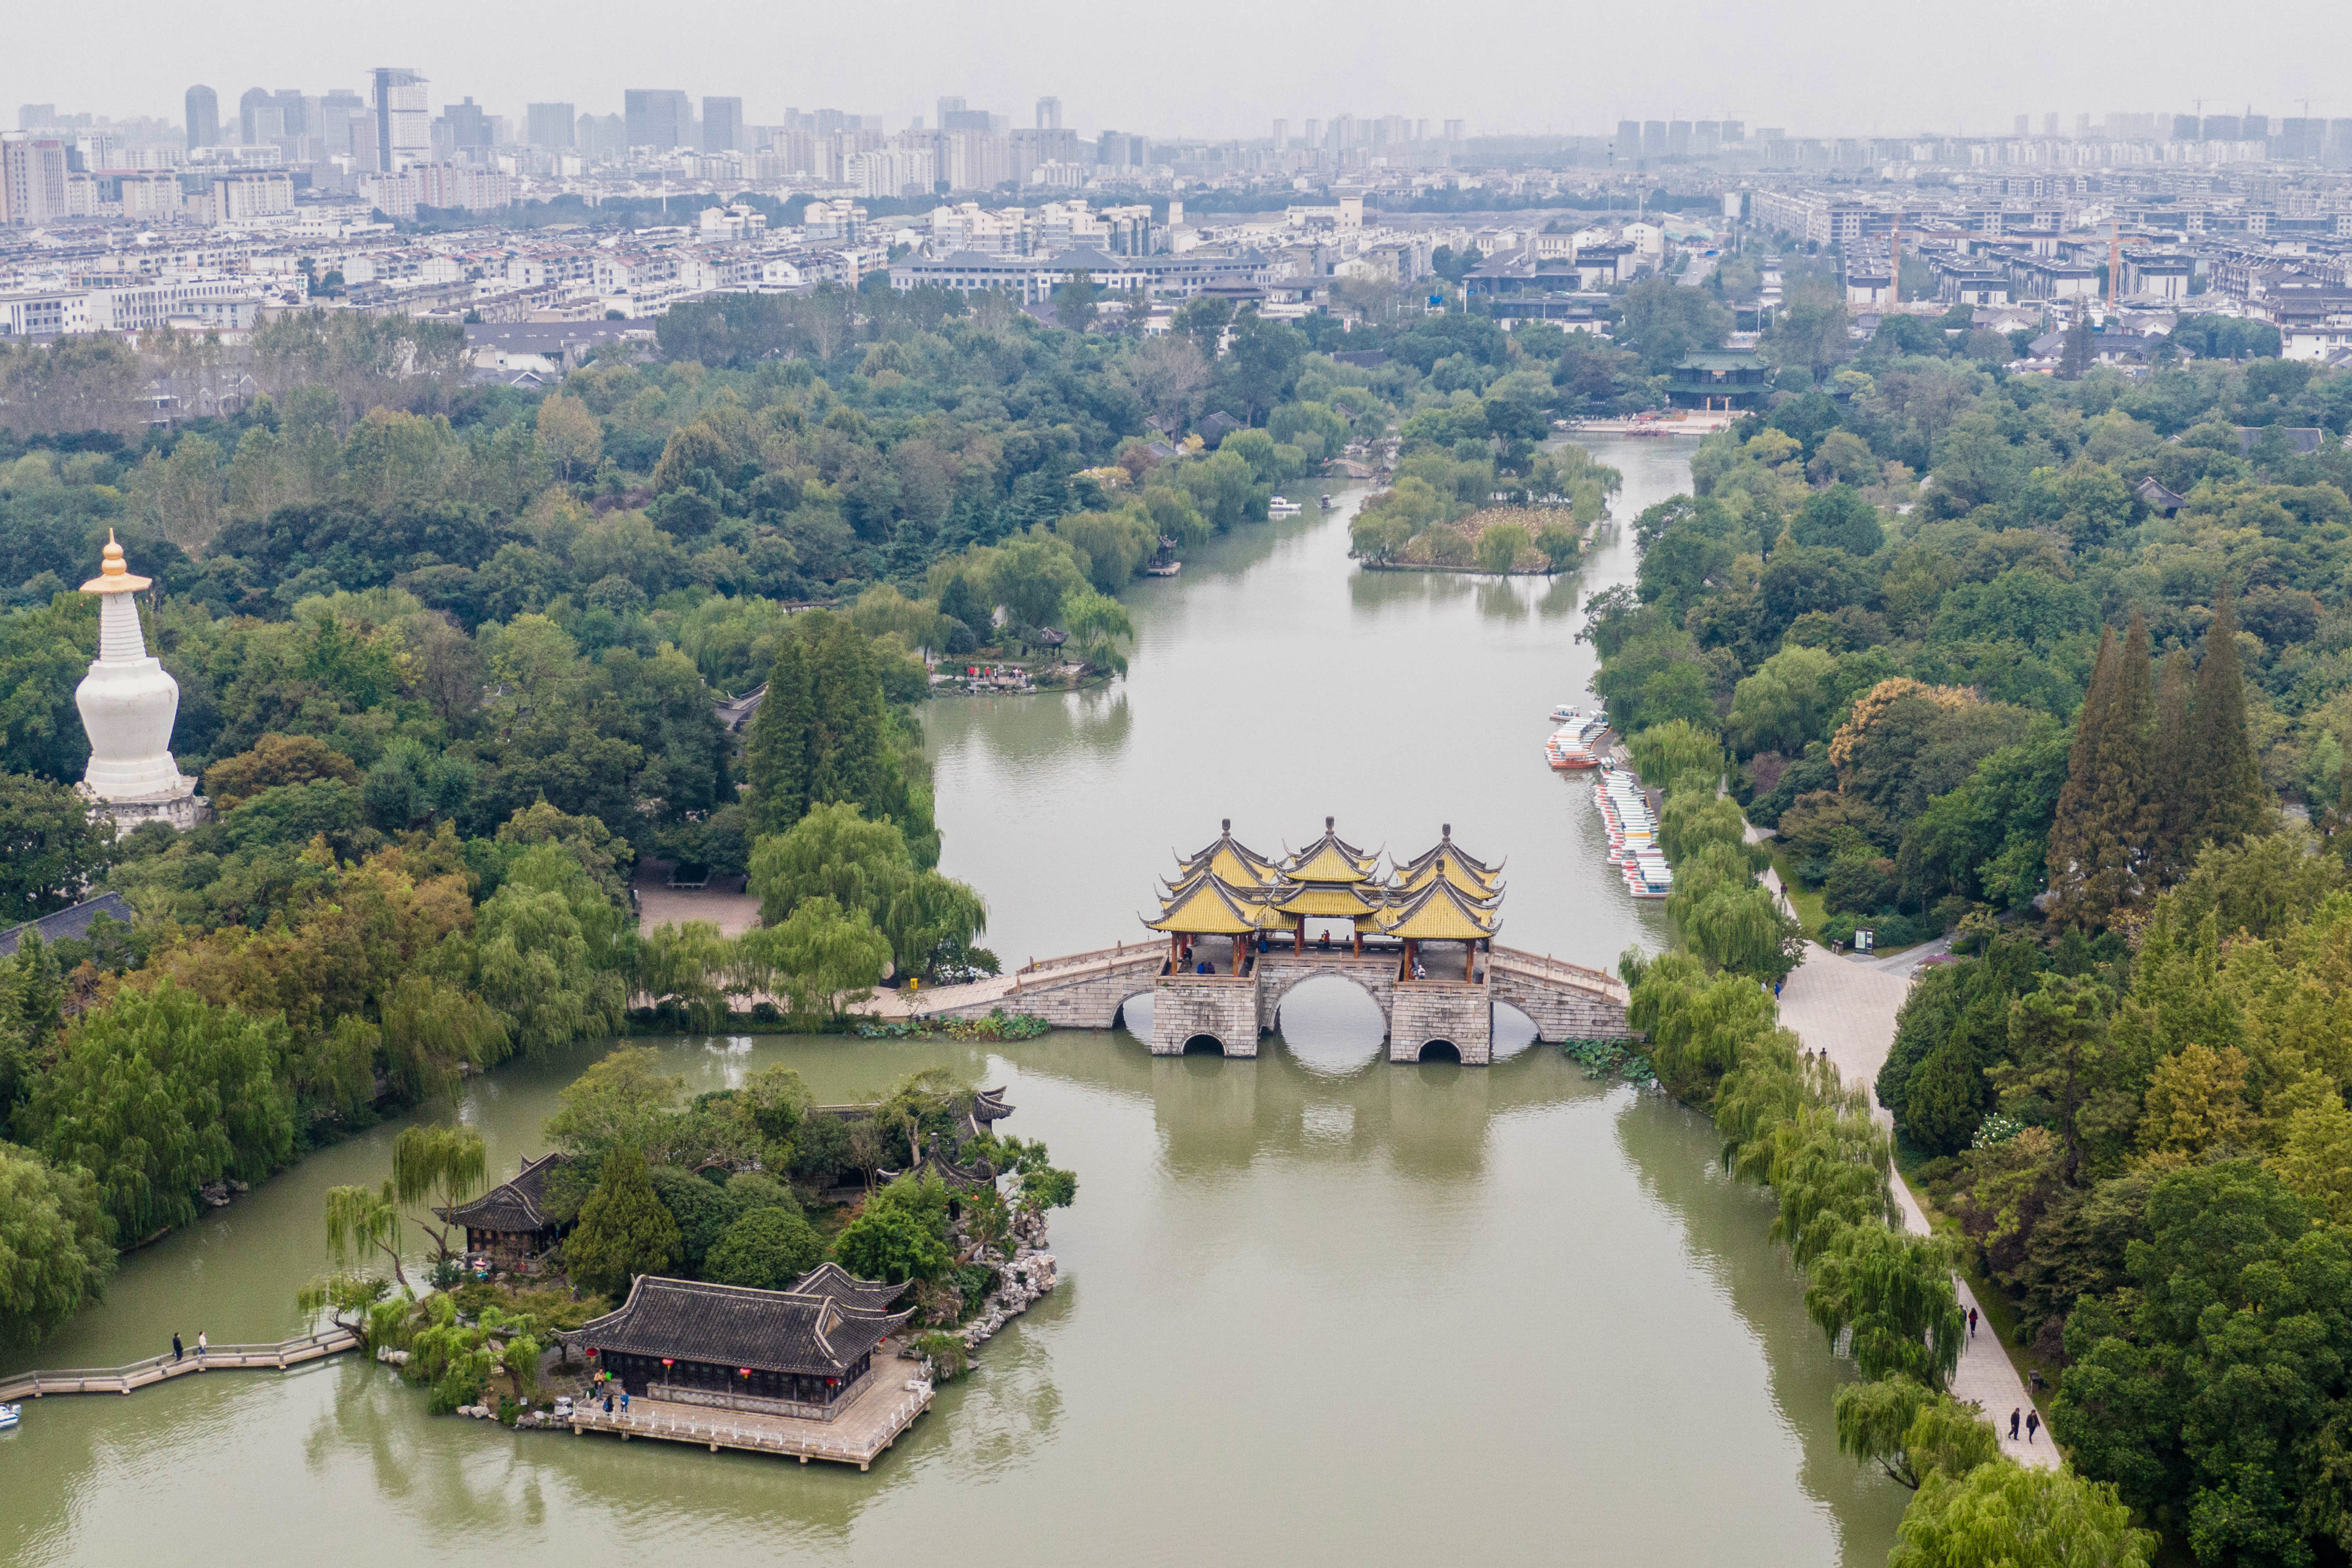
x: 182, y: 808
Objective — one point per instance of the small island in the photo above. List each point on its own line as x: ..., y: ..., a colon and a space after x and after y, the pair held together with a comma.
x: 1463, y: 511
x: 749, y: 1270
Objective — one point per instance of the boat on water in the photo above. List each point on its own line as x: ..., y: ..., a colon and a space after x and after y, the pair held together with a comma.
x: 1165, y: 569
x: 1328, y: 502
x: 1575, y: 745
x: 1278, y: 506
x: 10, y: 1415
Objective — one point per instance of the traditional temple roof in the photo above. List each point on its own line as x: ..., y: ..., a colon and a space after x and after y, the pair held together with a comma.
x: 511, y: 1206
x: 1229, y: 858
x: 1327, y: 901
x: 838, y: 1285
x: 1440, y: 911
x: 1208, y: 905
x: 1330, y: 858
x: 1445, y: 859
x: 735, y: 1325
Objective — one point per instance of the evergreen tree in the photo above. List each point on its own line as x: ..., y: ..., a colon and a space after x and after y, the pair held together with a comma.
x: 825, y: 733
x: 2071, y: 858
x: 777, y: 758
x: 2124, y: 807
x: 2173, y: 760
x: 624, y: 1230
x: 2076, y: 358
x: 2227, y: 798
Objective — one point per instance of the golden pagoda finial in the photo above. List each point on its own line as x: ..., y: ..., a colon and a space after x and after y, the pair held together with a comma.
x: 113, y: 575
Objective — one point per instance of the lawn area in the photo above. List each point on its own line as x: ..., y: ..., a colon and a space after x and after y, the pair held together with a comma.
x: 1806, y: 901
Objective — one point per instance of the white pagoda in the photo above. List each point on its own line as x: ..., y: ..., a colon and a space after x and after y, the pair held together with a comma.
x: 128, y: 702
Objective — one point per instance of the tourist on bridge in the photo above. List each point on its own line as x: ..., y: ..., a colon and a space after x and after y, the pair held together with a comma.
x: 176, y: 1351
x: 202, y: 1344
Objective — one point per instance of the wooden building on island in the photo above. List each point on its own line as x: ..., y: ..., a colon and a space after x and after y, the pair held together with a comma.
x: 509, y: 1224
x: 804, y: 1352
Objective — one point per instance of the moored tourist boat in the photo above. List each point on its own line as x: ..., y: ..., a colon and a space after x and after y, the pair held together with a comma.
x: 1280, y: 507
x: 10, y: 1415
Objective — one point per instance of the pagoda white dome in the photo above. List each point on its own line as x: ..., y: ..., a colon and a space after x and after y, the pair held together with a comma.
x: 128, y: 701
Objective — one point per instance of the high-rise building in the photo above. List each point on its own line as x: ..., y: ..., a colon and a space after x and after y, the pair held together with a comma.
x: 2184, y: 128
x: 657, y: 116
x: 950, y: 106
x: 32, y: 180
x: 2339, y: 141
x: 601, y: 136
x: 404, y: 120
x: 1314, y: 137
x: 827, y: 121
x: 2221, y: 128
x: 1629, y: 138
x: 2082, y: 125
x: 1678, y: 138
x: 549, y: 125
x: 2025, y: 125
x: 1049, y: 115
x: 722, y: 125
x: 468, y: 126
x: 2050, y: 123
x: 1457, y: 130
x: 1733, y: 131
x: 1281, y: 134
x: 1654, y: 138
x: 36, y: 116
x: 2300, y: 139
x: 203, y: 117
x: 249, y: 109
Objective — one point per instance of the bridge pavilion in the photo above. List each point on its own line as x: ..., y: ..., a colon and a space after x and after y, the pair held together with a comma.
x: 1329, y: 879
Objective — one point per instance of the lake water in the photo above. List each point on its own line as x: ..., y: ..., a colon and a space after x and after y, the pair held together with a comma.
x: 1316, y: 1307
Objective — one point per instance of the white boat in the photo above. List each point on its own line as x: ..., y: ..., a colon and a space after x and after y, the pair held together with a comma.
x: 1278, y: 506
x: 10, y: 1415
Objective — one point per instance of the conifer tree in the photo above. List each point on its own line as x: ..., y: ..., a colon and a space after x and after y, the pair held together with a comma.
x: 624, y: 1230
x: 2227, y: 798
x: 777, y: 755
x: 2070, y: 857
x: 2076, y: 358
x: 2125, y: 809
x: 2173, y: 760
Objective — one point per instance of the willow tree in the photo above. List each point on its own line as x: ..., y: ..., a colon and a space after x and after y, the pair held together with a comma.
x: 1895, y: 1292
x: 437, y: 1167
x: 431, y: 1030
x: 362, y: 1220
x: 1910, y: 1431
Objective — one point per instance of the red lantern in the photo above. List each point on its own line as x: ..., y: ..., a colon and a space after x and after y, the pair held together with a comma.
x: 744, y: 1370
x: 592, y: 1350
x: 666, y: 1362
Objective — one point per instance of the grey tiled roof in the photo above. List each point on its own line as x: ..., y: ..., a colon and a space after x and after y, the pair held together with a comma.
x: 734, y: 1325
x: 838, y: 1285
x: 510, y: 1207
x: 68, y: 924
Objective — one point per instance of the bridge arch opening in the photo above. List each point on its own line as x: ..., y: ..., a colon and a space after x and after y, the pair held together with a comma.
x: 1514, y: 1031
x: 1330, y: 1023
x: 1440, y: 1051
x: 1204, y: 1046
x: 1134, y: 1016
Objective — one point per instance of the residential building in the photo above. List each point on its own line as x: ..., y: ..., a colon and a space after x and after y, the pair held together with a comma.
x: 32, y: 180
x: 1049, y: 115
x: 238, y: 198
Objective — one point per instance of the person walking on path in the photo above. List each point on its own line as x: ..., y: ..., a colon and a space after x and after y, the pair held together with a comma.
x: 176, y: 1351
x: 202, y: 1344
x: 1972, y: 1322
x: 2013, y: 1422
x: 2033, y: 1424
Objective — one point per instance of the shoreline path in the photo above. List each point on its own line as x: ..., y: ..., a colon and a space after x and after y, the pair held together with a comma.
x: 1847, y: 1008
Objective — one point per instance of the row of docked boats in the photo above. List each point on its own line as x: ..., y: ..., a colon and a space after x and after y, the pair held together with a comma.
x: 1576, y: 745
x: 1633, y: 833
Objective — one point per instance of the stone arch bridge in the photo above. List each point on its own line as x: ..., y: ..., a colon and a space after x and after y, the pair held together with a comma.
x: 1086, y: 991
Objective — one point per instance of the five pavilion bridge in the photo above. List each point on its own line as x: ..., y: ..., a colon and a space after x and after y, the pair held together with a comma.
x: 1238, y: 941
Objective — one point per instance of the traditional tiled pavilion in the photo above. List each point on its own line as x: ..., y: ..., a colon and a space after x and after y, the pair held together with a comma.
x: 507, y: 1224
x: 1229, y: 893
x: 806, y: 1351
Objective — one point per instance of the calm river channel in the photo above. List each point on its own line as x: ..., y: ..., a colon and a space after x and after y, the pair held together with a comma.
x: 1316, y: 1308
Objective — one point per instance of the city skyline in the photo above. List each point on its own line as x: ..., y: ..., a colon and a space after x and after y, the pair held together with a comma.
x: 1769, y: 66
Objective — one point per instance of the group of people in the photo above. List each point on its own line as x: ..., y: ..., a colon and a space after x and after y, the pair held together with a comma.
x: 202, y: 1344
x: 604, y: 1386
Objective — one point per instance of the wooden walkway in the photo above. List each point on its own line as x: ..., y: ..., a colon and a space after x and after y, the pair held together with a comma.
x: 856, y: 1436
x: 163, y: 1368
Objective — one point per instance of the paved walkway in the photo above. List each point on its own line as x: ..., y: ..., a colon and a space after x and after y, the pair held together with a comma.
x: 1847, y: 1008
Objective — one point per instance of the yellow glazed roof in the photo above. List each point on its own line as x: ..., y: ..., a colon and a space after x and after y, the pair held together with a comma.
x: 1327, y: 901
x: 1472, y: 875
x: 1208, y: 905
x: 1330, y: 858
x: 1228, y: 858
x: 1438, y: 912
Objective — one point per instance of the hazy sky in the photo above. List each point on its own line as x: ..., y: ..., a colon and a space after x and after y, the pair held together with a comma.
x: 1227, y: 67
